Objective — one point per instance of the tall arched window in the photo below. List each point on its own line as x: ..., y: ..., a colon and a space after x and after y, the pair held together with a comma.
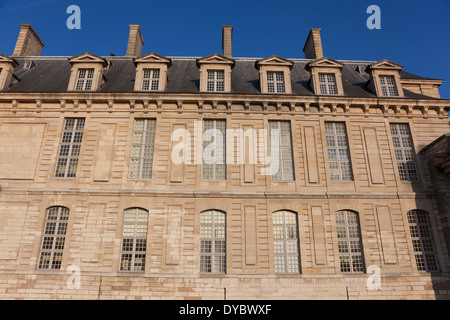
x: 134, y: 240
x: 349, y: 241
x: 54, y: 238
x: 212, y: 242
x: 421, y: 236
x: 285, y: 242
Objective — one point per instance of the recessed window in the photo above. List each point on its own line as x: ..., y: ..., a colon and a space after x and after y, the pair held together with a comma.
x: 421, y: 237
x: 150, y: 79
x: 275, y: 82
x: 215, y: 80
x: 84, y: 79
x: 404, y: 152
x: 388, y: 87
x: 143, y: 144
x: 54, y: 238
x: 327, y: 83
x: 214, y: 163
x: 349, y: 242
x: 338, y: 151
x: 69, y: 150
x: 281, y: 153
x: 134, y: 240
x: 285, y: 242
x: 212, y: 242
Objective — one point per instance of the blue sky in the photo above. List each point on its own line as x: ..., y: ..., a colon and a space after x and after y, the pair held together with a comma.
x: 414, y: 33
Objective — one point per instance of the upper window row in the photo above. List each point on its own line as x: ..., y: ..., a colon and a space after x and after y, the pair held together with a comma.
x: 215, y: 75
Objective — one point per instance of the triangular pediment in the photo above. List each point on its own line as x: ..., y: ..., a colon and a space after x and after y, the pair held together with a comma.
x: 6, y: 59
x: 87, y: 58
x: 326, y: 62
x: 274, y: 61
x: 386, y: 65
x: 153, y: 58
x: 216, y: 59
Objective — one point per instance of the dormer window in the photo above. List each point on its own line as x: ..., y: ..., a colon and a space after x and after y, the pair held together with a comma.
x: 385, y: 79
x: 326, y: 78
x: 7, y: 76
x: 215, y: 80
x: 275, y: 74
x: 388, y: 87
x: 150, y: 80
x: 151, y: 72
x: 215, y: 73
x: 327, y: 83
x: 275, y: 82
x: 84, y: 79
x: 87, y: 72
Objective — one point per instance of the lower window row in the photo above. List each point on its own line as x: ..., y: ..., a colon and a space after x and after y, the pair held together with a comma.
x: 286, y: 244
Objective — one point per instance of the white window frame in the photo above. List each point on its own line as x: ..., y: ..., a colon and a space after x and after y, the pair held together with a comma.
x: 286, y: 171
x: 219, y: 166
x: 133, y: 252
x: 286, y: 242
x: 349, y: 242
x: 276, y: 82
x: 150, y: 79
x: 142, y: 150
x: 328, y: 84
x: 213, y: 242
x: 85, y: 78
x: 215, y: 80
x: 54, y: 238
x: 404, y: 152
x: 70, y: 148
x: 388, y: 86
x: 338, y: 151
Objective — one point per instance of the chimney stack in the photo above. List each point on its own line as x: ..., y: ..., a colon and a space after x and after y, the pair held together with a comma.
x: 28, y: 43
x: 313, y: 46
x: 227, y: 36
x: 135, y: 41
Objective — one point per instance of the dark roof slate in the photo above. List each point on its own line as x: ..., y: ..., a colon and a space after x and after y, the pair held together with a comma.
x: 51, y: 74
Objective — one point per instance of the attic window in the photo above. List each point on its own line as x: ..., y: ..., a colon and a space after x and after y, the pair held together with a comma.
x: 388, y: 87
x: 28, y: 64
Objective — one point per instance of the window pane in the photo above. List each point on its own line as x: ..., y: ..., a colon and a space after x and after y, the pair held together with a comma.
x: 134, y: 240
x: 404, y: 152
x: 52, y: 246
x: 214, y: 168
x: 212, y: 242
x: 349, y: 244
x: 275, y: 82
x: 286, y: 245
x: 143, y: 144
x: 422, y: 240
x: 338, y: 152
x: 69, y: 150
x: 283, y: 152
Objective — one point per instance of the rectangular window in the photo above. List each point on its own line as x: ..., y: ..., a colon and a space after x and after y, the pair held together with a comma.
x: 338, y: 151
x: 282, y: 152
x: 214, y: 150
x: 286, y: 245
x: 419, y: 227
x: 134, y: 240
x: 275, y: 82
x: 54, y: 238
x: 349, y: 242
x: 215, y: 80
x: 388, y: 87
x: 84, y: 80
x: 150, y: 80
x: 404, y: 151
x: 69, y: 150
x: 327, y: 83
x: 142, y: 148
x: 212, y: 242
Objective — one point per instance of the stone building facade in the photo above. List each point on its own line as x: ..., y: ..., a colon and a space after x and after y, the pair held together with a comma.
x: 317, y: 186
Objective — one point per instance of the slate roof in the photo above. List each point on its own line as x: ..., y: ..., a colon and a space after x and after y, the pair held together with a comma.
x: 51, y: 75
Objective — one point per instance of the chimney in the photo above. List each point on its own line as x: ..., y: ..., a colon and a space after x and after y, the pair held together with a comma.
x: 135, y: 41
x: 227, y: 36
x: 313, y: 46
x: 28, y: 43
